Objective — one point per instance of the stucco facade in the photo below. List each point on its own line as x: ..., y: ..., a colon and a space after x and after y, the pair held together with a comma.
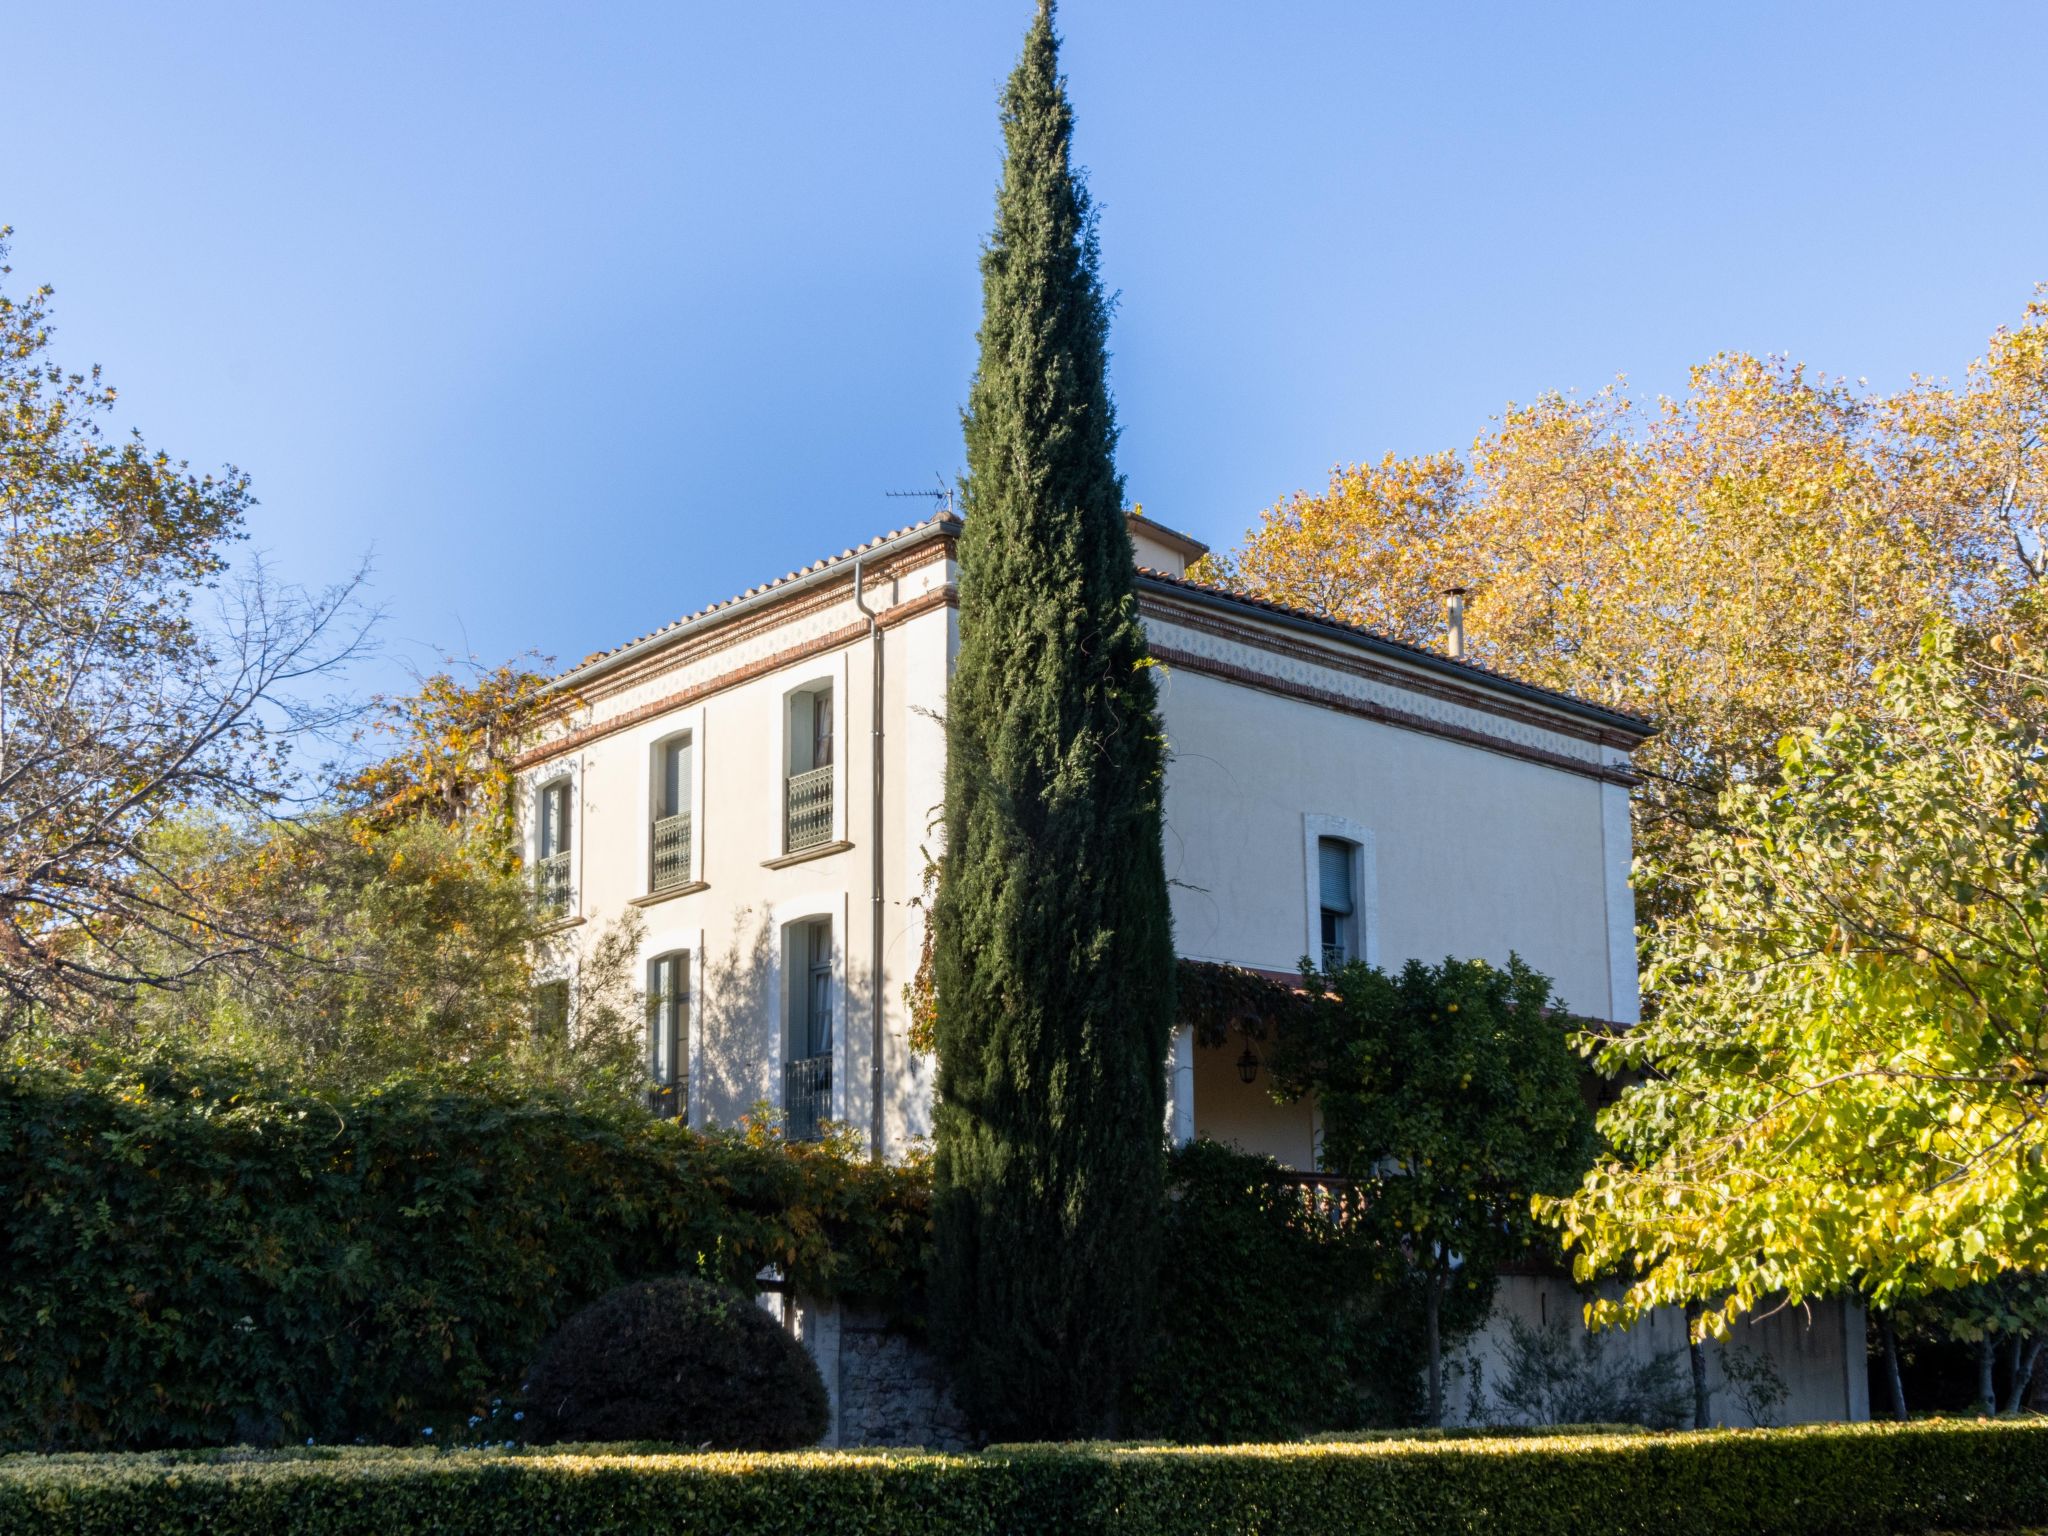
x: 1476, y: 816
x: 761, y: 783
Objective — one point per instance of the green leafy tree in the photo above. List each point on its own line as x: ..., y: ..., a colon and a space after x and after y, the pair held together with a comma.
x: 1843, y: 1086
x: 2005, y: 1317
x: 1450, y: 1096
x: 1053, y: 962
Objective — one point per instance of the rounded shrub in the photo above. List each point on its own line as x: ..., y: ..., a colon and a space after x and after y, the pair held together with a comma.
x: 678, y: 1360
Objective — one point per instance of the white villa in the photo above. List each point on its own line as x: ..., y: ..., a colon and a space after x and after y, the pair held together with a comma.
x: 763, y: 780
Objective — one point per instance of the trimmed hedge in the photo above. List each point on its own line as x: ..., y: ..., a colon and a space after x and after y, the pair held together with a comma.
x: 190, y: 1255
x: 1845, y: 1480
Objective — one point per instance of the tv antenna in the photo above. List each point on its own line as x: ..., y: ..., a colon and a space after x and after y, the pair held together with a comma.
x: 942, y: 496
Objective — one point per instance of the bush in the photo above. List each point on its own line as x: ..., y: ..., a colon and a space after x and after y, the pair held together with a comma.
x: 1564, y: 1375
x: 1849, y: 1480
x: 191, y: 1255
x: 1272, y: 1320
x: 681, y: 1361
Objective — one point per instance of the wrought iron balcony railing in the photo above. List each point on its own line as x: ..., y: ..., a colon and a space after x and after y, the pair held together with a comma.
x: 807, y: 809
x: 669, y: 1101
x: 670, y: 852
x: 1334, y: 958
x: 806, y: 1097
x: 551, y: 883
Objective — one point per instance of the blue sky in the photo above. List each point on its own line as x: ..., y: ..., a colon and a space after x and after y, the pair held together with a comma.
x: 577, y: 317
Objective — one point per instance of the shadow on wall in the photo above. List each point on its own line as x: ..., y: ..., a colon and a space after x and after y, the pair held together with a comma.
x: 740, y: 1046
x: 738, y: 1043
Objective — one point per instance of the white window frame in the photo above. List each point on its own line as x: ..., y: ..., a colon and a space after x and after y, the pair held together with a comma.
x: 1365, y: 885
x: 567, y: 772
x: 831, y: 675
x: 673, y: 730
x: 819, y: 906
x: 647, y: 739
x: 660, y: 942
x: 680, y: 1067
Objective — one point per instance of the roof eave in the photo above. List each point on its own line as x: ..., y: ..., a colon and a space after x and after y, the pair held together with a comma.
x: 1637, y: 729
x: 802, y: 581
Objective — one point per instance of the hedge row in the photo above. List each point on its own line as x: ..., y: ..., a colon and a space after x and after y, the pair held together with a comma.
x: 191, y: 1256
x: 1858, y: 1480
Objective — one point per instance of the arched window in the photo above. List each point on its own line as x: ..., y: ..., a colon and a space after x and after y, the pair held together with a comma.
x: 671, y: 846
x: 809, y: 995
x: 668, y: 1034
x: 1337, y: 881
x: 807, y: 784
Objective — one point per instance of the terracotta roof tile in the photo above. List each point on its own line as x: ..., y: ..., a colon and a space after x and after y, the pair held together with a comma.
x: 935, y: 521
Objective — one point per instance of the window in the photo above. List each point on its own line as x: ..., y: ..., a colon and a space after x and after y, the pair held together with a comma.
x: 551, y: 1011
x: 670, y: 845
x: 1335, y: 864
x: 668, y: 1035
x: 807, y: 792
x: 551, y: 845
x: 807, y: 1078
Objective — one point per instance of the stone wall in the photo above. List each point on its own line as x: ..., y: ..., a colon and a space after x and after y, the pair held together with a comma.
x: 885, y: 1387
x: 1816, y: 1352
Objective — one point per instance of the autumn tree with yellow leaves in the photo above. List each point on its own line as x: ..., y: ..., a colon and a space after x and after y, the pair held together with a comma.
x: 1734, y: 563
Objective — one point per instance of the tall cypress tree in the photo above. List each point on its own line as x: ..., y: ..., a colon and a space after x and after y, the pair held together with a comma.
x: 1054, y: 956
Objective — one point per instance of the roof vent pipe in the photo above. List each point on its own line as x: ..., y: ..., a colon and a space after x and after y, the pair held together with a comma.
x: 1454, y: 604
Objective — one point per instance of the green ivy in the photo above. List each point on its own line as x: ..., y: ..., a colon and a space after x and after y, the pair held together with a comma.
x: 192, y: 1254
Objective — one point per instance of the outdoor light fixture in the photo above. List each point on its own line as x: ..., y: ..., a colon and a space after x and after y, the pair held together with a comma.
x: 1248, y: 1065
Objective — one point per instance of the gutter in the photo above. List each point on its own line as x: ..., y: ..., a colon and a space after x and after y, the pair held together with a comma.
x: 875, y: 1108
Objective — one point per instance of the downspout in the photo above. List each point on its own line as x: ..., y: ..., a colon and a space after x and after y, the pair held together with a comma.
x: 875, y: 859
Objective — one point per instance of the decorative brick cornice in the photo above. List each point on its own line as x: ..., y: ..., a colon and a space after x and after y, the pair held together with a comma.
x: 1367, y: 709
x: 1477, y: 697
x: 597, y: 730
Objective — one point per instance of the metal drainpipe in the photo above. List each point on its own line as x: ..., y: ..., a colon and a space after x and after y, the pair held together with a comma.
x: 875, y: 1112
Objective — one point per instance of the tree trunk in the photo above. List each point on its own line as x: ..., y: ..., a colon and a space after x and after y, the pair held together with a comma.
x: 2023, y: 1372
x: 1891, y: 1366
x: 1697, y: 1349
x: 1434, y: 1311
x: 1987, y: 1390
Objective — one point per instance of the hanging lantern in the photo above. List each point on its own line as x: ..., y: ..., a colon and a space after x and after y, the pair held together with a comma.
x: 1248, y: 1065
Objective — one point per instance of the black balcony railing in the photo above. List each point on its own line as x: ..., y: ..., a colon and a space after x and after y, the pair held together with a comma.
x: 807, y: 809
x: 806, y: 1097
x: 670, y: 839
x: 669, y: 1101
x: 551, y: 883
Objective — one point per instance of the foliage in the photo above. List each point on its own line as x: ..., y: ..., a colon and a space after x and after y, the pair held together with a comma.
x: 1843, y: 1086
x: 456, y: 742
x: 394, y: 948
x: 1841, y: 1480
x: 1053, y: 956
x: 1220, y: 1001
x: 1559, y: 1374
x: 1274, y: 1316
x: 194, y: 1255
x: 680, y: 1360
x: 1449, y: 1096
x: 141, y: 679
x: 1755, y: 1381
x: 1735, y: 563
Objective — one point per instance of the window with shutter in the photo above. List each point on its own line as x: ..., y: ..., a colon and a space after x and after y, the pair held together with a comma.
x: 1335, y: 860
